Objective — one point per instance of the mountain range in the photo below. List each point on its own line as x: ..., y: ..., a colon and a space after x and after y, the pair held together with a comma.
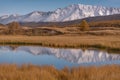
x: 69, y: 13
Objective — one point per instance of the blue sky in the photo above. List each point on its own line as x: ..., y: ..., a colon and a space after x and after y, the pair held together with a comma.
x: 26, y: 6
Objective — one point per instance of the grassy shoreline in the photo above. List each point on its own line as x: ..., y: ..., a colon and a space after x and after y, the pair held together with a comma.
x: 33, y: 72
x: 100, y: 47
x: 110, y: 43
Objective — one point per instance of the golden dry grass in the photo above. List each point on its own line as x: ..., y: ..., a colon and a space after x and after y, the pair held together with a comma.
x: 92, y: 31
x: 31, y: 72
x: 65, y: 41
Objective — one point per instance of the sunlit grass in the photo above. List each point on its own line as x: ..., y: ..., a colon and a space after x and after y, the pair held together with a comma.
x: 31, y: 72
x: 85, y: 41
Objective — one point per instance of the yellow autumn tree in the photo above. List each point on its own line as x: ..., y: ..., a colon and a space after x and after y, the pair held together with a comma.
x: 14, y: 28
x: 84, y: 25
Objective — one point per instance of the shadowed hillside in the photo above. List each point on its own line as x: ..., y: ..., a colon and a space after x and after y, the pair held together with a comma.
x: 68, y: 23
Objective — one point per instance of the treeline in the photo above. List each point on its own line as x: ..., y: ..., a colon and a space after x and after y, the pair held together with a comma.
x: 113, y: 23
x: 15, y: 28
x: 108, y: 23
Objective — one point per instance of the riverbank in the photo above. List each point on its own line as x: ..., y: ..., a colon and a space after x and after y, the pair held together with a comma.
x: 32, y: 72
x: 110, y: 43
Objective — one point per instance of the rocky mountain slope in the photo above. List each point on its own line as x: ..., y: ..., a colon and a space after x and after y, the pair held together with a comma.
x: 72, y: 12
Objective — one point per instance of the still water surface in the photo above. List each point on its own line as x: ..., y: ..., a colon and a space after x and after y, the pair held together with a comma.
x: 58, y: 57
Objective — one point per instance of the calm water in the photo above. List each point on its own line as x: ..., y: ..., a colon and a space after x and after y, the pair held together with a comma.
x: 55, y: 56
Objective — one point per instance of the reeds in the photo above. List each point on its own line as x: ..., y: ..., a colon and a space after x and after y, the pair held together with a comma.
x: 32, y: 72
x: 110, y: 43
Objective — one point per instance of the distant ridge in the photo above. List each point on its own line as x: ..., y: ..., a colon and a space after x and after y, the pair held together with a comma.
x: 72, y: 12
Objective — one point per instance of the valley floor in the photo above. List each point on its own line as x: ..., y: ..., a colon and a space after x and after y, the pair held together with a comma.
x: 109, y: 42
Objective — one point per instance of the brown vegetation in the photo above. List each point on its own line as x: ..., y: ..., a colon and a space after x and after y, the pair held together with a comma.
x: 14, y: 28
x: 69, y: 36
x: 83, y: 41
x: 31, y: 72
x: 113, y: 23
x: 84, y: 26
x: 94, y: 28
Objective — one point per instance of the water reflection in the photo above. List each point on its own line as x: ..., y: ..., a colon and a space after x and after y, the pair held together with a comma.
x: 55, y: 56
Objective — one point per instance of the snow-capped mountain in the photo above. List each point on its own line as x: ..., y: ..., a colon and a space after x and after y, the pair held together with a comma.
x: 72, y: 12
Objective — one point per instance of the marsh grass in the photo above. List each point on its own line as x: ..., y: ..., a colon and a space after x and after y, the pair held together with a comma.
x: 109, y: 43
x: 32, y: 72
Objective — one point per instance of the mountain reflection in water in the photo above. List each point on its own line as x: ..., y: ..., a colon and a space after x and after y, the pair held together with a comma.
x: 38, y: 55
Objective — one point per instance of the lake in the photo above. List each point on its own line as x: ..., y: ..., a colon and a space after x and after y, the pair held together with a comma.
x: 59, y: 57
